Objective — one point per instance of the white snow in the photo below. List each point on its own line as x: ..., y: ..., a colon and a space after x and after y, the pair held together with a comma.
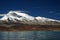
x: 24, y: 16
x: 48, y: 19
x: 18, y: 13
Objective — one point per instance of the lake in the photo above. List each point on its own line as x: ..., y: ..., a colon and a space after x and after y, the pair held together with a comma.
x: 30, y: 35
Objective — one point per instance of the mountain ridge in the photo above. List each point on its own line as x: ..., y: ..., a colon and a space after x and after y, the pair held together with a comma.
x: 20, y: 17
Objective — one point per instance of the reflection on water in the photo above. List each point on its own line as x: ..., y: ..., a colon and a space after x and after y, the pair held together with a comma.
x: 30, y: 35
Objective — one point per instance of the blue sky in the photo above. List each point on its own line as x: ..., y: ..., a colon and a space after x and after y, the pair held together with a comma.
x: 44, y: 8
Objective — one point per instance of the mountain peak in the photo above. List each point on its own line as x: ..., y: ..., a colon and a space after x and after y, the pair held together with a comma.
x: 25, y: 18
x: 17, y: 14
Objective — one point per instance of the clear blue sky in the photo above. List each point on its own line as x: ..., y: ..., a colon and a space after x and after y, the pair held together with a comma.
x: 45, y: 8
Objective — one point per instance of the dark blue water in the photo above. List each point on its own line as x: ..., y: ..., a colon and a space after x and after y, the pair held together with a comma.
x: 30, y: 35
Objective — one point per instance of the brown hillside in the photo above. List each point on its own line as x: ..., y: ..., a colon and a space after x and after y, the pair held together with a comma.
x: 30, y: 28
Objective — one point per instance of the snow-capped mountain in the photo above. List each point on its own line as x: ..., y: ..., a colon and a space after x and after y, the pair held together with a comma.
x: 21, y: 17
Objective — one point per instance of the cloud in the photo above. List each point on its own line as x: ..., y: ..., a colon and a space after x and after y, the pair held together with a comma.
x: 51, y: 11
x: 2, y: 14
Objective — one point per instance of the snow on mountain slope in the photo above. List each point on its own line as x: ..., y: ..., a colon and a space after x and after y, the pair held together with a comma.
x: 44, y: 19
x: 18, y: 16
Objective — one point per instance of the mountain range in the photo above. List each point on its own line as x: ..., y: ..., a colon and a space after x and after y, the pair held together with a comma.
x: 24, y: 18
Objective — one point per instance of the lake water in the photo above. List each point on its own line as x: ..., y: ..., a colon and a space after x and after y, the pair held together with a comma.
x: 30, y: 35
